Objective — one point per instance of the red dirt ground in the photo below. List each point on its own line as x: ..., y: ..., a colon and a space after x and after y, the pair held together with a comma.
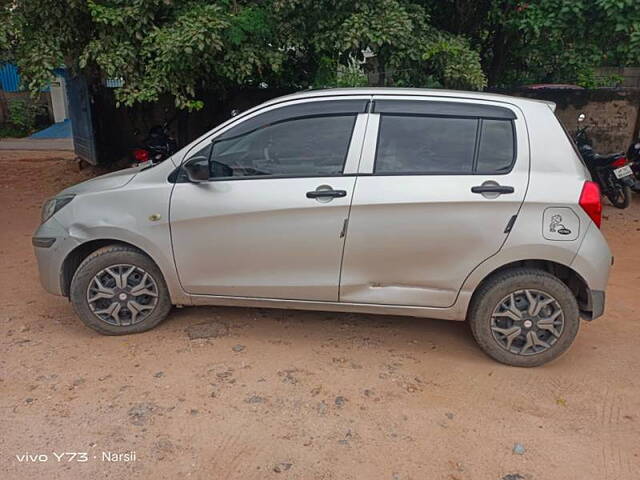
x: 301, y: 395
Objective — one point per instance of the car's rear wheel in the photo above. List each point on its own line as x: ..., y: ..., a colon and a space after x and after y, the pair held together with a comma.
x: 118, y: 290
x: 524, y: 317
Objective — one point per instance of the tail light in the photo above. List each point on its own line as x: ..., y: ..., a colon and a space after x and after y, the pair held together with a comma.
x: 140, y: 154
x: 590, y: 201
x: 621, y: 162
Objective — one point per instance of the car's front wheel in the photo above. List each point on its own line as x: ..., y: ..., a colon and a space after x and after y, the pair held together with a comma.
x: 118, y: 290
x: 524, y: 317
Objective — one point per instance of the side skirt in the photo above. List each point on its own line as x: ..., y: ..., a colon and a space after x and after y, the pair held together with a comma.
x: 450, y: 313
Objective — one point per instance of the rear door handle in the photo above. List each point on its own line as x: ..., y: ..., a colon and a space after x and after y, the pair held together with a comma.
x: 499, y: 189
x: 327, y: 194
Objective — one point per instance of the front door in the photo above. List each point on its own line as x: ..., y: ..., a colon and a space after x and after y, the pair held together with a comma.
x: 439, y: 184
x: 270, y: 222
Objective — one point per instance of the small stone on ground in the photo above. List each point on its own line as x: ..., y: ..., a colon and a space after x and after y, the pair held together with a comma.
x: 519, y: 449
x: 282, y: 467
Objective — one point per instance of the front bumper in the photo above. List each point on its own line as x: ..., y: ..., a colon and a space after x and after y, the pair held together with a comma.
x: 50, y: 258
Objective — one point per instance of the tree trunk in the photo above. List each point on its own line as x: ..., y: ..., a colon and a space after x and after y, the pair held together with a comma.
x: 496, y: 67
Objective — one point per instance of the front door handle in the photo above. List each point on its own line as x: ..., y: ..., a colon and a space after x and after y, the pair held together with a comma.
x: 327, y: 194
x: 499, y: 189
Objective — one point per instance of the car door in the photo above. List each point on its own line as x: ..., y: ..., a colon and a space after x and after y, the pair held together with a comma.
x: 270, y: 221
x: 439, y: 187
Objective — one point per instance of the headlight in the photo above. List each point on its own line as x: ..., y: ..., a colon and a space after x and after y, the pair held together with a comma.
x: 54, y: 204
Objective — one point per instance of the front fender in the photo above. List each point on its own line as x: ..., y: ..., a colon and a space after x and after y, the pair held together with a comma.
x: 82, y: 235
x: 137, y: 215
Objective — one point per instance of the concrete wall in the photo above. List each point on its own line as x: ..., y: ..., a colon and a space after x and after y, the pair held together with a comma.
x: 612, y: 114
x: 630, y: 75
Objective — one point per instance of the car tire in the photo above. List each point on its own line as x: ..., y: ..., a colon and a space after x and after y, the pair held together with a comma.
x: 118, y: 290
x: 507, y: 301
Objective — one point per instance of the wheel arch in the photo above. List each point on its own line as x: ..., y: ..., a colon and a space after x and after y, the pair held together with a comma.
x: 572, y: 279
x: 76, y: 256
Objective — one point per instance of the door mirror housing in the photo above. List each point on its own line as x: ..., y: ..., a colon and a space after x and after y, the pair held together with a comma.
x: 197, y: 169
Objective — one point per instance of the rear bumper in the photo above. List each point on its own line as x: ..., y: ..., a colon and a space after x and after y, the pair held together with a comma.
x: 593, y: 263
x: 595, y: 308
x: 597, y: 303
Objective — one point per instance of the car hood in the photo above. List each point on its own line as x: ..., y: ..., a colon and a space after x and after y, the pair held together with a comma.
x: 109, y: 181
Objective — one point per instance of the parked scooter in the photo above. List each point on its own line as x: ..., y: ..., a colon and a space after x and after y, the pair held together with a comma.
x: 157, y: 146
x: 612, y: 172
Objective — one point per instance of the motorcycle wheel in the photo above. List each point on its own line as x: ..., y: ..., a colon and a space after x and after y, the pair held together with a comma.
x: 620, y: 196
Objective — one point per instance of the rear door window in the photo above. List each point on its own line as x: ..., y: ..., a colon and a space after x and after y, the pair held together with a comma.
x: 425, y: 145
x: 444, y: 138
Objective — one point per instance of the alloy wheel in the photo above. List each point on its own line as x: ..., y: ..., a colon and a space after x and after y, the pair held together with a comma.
x: 122, y: 295
x: 527, y: 322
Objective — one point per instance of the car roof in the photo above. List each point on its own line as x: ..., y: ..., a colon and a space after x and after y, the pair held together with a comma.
x: 419, y: 92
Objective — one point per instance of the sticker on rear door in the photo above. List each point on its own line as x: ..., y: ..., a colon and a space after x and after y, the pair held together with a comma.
x: 560, y: 223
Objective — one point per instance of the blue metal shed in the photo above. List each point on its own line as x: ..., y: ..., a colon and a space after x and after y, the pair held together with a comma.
x: 9, y: 78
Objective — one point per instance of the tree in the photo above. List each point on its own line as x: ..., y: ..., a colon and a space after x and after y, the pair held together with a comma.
x: 408, y: 49
x: 567, y: 39
x: 181, y: 47
x: 522, y: 41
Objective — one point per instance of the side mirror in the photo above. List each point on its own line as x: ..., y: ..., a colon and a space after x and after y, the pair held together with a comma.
x: 581, y: 118
x: 197, y: 169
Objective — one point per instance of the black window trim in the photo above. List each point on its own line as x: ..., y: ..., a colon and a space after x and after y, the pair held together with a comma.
x: 290, y: 119
x: 473, y: 171
x: 288, y: 112
x: 445, y: 108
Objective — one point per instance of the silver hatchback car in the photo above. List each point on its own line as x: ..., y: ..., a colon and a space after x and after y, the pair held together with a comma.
x: 428, y: 203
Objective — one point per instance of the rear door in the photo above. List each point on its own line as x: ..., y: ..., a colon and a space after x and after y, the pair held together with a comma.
x: 270, y: 222
x: 440, y: 183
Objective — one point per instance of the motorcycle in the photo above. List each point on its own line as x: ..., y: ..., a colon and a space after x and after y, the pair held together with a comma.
x: 156, y: 147
x: 612, y: 172
x: 633, y: 154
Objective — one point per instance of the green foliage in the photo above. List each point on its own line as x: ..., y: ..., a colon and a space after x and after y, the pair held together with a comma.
x: 7, y: 130
x: 182, y: 47
x: 456, y: 63
x: 351, y: 74
x: 408, y: 50
x: 22, y: 117
x: 531, y: 41
x: 564, y: 40
x: 331, y: 73
x: 588, y: 79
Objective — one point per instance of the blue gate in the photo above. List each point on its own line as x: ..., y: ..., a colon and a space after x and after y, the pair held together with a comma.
x: 81, y: 118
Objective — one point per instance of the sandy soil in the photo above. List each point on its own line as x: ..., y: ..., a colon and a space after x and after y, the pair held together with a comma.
x: 299, y: 395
